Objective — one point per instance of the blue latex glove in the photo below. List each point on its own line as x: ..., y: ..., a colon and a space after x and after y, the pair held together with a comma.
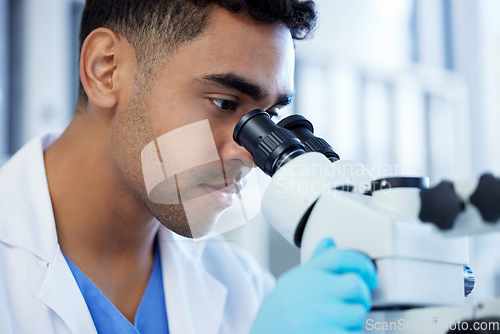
x: 328, y: 294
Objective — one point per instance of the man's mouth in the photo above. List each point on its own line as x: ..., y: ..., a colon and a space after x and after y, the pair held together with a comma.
x: 223, y: 194
x: 230, y: 185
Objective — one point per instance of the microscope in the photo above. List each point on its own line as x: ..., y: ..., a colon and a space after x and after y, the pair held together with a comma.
x: 415, y: 234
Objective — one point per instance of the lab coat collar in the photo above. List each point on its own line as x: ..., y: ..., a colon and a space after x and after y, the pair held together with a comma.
x: 195, y: 300
x: 29, y: 224
x: 24, y: 182
x: 61, y: 293
x: 190, y: 248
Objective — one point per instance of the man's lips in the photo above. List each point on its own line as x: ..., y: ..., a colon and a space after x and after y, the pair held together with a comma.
x: 222, y: 194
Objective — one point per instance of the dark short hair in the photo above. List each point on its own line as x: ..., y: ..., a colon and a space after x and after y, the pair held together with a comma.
x: 155, y: 28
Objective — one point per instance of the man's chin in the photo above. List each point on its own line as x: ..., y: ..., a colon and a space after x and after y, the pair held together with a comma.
x: 196, y: 226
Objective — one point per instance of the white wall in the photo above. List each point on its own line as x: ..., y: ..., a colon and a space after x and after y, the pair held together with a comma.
x: 358, y: 82
x: 489, y: 67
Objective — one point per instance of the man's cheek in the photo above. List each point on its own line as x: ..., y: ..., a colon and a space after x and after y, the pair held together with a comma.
x: 185, y: 150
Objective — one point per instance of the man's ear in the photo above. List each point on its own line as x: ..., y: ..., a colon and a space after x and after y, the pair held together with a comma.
x: 101, y: 66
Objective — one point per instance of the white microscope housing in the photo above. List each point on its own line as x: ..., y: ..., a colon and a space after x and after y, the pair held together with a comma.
x: 415, y: 235
x: 417, y: 265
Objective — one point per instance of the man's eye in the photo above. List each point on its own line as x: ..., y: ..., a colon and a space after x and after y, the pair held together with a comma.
x: 272, y: 115
x: 224, y: 104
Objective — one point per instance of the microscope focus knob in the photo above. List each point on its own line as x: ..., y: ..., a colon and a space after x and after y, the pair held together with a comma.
x: 440, y: 205
x: 487, y: 198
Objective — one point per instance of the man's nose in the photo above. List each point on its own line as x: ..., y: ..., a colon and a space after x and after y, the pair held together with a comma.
x: 235, y: 155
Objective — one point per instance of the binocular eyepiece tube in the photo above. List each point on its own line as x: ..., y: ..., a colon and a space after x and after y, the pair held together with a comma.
x: 273, y: 145
x: 304, y: 131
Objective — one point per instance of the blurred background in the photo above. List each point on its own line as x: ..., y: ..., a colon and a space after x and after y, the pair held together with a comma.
x: 407, y: 87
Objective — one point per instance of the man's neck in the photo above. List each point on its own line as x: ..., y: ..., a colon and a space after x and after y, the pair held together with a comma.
x: 101, y: 225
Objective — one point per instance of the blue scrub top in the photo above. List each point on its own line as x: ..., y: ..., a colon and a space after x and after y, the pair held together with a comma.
x: 151, y: 316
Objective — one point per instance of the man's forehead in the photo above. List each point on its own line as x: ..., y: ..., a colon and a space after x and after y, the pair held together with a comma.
x: 227, y: 28
x: 234, y: 46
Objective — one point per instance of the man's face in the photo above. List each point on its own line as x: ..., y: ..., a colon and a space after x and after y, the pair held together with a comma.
x: 180, y: 128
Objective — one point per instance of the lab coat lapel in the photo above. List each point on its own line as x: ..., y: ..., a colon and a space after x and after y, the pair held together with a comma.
x: 60, y: 292
x: 195, y: 300
x: 30, y: 225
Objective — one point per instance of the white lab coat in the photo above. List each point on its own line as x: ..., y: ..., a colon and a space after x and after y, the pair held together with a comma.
x: 209, y: 287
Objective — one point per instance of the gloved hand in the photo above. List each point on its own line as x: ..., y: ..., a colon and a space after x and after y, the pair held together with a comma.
x: 328, y: 294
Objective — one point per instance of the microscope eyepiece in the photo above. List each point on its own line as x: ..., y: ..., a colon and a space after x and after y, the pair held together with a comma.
x: 270, y: 145
x: 304, y: 131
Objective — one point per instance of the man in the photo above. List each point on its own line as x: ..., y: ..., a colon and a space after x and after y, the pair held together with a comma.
x: 95, y: 223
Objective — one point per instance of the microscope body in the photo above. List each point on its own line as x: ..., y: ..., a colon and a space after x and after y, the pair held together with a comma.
x: 415, y: 235
x: 417, y: 265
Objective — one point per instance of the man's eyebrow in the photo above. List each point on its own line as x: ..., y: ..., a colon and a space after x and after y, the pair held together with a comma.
x: 236, y: 82
x: 243, y: 85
